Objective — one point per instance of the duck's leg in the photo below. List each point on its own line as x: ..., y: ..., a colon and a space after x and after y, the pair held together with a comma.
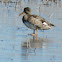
x: 35, y: 34
x: 33, y: 31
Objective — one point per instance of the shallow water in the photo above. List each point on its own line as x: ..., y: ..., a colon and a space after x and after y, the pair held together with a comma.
x: 15, y: 43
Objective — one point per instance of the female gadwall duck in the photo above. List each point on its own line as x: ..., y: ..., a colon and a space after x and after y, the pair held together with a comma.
x: 35, y: 22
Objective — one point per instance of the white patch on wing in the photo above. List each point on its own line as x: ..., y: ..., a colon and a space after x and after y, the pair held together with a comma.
x: 46, y: 26
x: 44, y: 23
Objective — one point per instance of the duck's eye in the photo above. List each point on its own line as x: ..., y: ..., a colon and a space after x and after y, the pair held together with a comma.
x: 27, y: 9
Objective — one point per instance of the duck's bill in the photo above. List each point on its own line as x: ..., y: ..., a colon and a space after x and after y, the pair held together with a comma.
x: 21, y: 13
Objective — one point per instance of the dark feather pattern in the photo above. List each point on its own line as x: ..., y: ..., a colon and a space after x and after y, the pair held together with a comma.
x: 35, y: 21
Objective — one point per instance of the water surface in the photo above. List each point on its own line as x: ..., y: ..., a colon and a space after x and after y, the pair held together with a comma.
x: 15, y: 43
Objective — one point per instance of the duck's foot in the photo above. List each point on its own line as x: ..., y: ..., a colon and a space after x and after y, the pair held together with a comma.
x: 34, y: 34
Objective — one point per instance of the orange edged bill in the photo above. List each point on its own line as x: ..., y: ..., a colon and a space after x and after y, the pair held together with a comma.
x: 21, y: 13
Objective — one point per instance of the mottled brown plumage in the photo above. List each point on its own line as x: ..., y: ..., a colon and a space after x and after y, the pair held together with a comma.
x: 34, y: 21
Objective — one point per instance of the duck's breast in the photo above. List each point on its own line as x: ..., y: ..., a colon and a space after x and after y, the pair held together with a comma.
x: 29, y: 25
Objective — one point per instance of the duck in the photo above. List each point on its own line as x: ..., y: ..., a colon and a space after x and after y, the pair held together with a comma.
x: 35, y: 22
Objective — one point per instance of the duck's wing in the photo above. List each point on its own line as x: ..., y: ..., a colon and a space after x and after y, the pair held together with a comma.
x: 35, y: 20
x: 43, y: 20
x: 39, y: 21
x: 48, y: 23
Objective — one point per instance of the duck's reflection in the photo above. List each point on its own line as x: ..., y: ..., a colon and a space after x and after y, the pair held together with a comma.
x: 35, y: 42
x: 32, y: 46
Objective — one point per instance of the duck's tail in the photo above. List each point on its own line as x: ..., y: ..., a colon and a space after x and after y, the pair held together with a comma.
x: 52, y: 25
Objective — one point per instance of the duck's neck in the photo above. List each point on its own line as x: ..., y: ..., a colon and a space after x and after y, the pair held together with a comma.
x: 26, y: 16
x: 29, y: 13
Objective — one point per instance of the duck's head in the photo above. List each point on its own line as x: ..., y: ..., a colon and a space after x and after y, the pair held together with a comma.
x: 26, y: 10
